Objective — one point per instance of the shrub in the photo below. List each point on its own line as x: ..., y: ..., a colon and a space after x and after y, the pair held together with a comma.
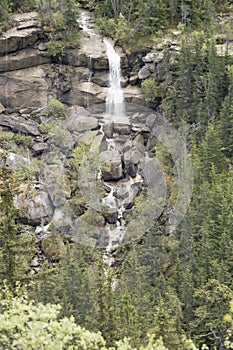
x: 56, y: 109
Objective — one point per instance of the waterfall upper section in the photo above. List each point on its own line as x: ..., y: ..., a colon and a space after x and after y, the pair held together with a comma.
x: 115, y: 97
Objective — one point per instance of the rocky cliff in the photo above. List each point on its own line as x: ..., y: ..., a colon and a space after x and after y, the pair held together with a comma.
x: 42, y: 146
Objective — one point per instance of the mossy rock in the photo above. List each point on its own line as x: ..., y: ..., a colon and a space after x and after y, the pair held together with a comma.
x: 78, y: 205
x: 52, y: 246
x: 93, y: 218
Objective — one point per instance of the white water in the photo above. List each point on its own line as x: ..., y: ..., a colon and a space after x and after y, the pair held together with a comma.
x: 115, y: 98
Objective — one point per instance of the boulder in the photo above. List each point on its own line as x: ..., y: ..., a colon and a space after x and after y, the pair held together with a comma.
x: 133, y: 80
x: 19, y: 124
x: 108, y: 129
x: 81, y: 122
x: 24, y: 88
x: 39, y: 147
x: 111, y: 216
x: 34, y: 206
x: 91, y: 138
x: 23, y: 59
x: 112, y: 165
x: 132, y: 158
x: 56, y: 184
x: 85, y: 93
x: 121, y: 127
x: 153, y: 57
x: 15, y: 161
x: 144, y: 73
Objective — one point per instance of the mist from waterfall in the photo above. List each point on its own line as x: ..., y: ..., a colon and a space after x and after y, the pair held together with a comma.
x: 115, y: 98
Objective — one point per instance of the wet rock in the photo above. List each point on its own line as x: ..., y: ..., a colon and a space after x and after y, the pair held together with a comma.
x: 108, y: 130
x: 92, y: 52
x: 101, y: 78
x: 122, y: 128
x: 124, y: 82
x: 112, y: 165
x: 133, y: 80
x: 129, y: 201
x: 111, y: 217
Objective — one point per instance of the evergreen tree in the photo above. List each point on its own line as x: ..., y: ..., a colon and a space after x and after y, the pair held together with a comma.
x: 17, y: 247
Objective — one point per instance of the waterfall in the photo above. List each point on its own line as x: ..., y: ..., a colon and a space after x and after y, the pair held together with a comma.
x: 115, y: 98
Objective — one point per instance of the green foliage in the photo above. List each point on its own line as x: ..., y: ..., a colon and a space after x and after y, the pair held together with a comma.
x: 60, y: 21
x: 56, y: 109
x: 209, y: 316
x: 24, y: 325
x: 19, y: 139
x: 16, y: 248
x: 5, y: 10
x: 151, y: 92
x: 55, y: 47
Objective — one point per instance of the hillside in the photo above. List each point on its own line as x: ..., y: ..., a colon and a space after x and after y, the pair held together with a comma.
x: 116, y: 178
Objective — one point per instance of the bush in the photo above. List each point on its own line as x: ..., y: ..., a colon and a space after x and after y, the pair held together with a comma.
x: 56, y: 109
x: 56, y: 47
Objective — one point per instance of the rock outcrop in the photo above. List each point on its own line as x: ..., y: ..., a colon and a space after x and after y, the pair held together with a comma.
x: 24, y: 88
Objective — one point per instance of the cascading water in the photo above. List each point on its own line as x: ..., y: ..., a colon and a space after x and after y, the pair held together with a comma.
x: 114, y: 112
x: 115, y: 98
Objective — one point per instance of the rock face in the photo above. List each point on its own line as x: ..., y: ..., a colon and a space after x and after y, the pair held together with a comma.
x: 23, y: 59
x: 27, y: 78
x: 25, y: 33
x: 24, y: 88
x: 86, y: 93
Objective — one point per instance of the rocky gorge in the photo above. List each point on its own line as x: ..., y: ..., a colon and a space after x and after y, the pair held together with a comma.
x: 29, y: 79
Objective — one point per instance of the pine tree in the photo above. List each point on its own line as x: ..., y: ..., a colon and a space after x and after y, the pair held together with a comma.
x: 16, y: 248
